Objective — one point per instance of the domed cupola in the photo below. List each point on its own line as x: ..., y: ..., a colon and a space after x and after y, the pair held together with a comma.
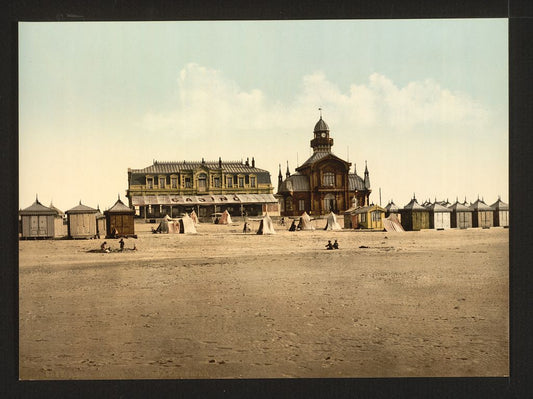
x: 321, y: 140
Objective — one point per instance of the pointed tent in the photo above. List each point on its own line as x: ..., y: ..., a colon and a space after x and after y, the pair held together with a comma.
x: 501, y: 213
x: 392, y: 223
x: 194, y: 217
x: 225, y: 218
x: 37, y: 221
x: 332, y: 222
x: 266, y: 226
x: 187, y: 225
x: 305, y: 222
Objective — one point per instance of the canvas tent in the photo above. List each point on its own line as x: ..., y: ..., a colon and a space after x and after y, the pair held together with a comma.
x: 439, y: 216
x: 305, y: 222
x: 461, y: 216
x: 187, y: 225
x: 194, y: 217
x: 266, y: 226
x: 331, y: 223
x: 225, y: 218
x: 392, y: 209
x: 81, y: 221
x: 414, y: 216
x: 482, y: 214
x: 392, y: 223
x: 168, y: 226
x: 37, y: 221
x: 501, y: 213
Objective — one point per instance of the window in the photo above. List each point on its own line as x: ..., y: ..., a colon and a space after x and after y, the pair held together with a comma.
x: 188, y: 182
x: 149, y: 182
x: 229, y: 181
x: 247, y: 179
x: 328, y: 179
x: 362, y: 217
x: 216, y: 181
x: 174, y: 182
x: 202, y: 181
x: 301, y: 205
x: 376, y: 216
x: 241, y: 182
x: 161, y: 182
x: 288, y: 203
x: 252, y: 181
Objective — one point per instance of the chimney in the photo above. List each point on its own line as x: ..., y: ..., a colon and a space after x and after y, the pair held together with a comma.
x: 247, y: 161
x: 253, y: 162
x: 219, y: 162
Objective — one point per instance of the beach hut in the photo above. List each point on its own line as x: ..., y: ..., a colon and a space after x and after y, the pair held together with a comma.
x: 81, y: 221
x: 331, y: 223
x: 59, y: 222
x: 305, y: 222
x: 392, y: 209
x: 119, y: 219
x: 38, y: 221
x: 186, y: 225
x: 225, y: 218
x: 482, y: 214
x: 461, y: 216
x: 439, y: 216
x: 370, y: 217
x: 414, y: 216
x: 501, y: 213
x: 266, y: 226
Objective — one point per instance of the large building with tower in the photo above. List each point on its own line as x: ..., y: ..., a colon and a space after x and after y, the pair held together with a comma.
x: 207, y: 187
x: 323, y: 183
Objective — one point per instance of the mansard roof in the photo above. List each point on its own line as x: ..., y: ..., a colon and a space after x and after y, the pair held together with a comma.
x: 319, y: 155
x: 356, y: 182
x: 295, y: 182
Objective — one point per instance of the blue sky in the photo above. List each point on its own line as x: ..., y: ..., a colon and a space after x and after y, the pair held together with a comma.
x: 425, y: 102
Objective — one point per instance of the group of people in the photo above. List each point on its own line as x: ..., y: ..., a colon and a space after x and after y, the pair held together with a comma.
x: 335, y: 245
x: 105, y: 248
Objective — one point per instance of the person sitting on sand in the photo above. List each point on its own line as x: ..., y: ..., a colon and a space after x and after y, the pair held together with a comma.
x: 329, y: 245
x: 121, y: 242
x: 335, y: 245
x: 104, y: 247
x: 246, y: 228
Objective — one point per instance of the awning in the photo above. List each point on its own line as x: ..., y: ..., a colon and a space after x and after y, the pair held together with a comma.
x: 217, y: 199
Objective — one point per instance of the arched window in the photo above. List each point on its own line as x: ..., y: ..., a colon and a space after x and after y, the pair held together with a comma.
x: 328, y: 179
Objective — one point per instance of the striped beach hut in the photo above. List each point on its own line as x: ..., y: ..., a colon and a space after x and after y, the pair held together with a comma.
x: 37, y: 221
x: 439, y: 216
x: 501, y: 213
x: 81, y: 221
x: 461, y: 216
x: 414, y: 216
x: 119, y: 220
x: 482, y: 214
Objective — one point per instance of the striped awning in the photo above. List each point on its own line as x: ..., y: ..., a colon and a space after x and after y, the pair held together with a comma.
x: 216, y: 199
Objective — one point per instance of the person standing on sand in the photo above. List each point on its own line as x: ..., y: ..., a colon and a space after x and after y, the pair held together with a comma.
x: 121, y: 242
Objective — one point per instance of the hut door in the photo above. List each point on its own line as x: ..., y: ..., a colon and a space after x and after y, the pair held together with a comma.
x: 34, y: 225
x: 42, y: 226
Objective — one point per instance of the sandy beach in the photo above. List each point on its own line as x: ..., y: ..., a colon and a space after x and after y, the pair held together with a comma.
x: 222, y: 304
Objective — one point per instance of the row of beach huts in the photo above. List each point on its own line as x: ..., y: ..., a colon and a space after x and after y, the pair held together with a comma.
x: 429, y: 215
x: 81, y: 221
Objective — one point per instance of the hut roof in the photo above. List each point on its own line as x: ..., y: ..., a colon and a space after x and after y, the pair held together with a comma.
x: 37, y: 208
x: 436, y: 207
x: 81, y: 209
x: 392, y: 207
x: 500, y: 205
x: 413, y: 205
x: 370, y: 208
x: 479, y: 205
x: 59, y: 212
x: 119, y: 207
x: 459, y: 207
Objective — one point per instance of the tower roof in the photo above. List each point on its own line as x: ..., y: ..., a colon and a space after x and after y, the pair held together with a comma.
x: 321, y: 126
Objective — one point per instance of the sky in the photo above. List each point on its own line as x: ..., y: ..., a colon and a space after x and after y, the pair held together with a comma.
x: 423, y: 102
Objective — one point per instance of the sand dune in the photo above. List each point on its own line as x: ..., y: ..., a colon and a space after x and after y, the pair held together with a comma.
x: 221, y: 304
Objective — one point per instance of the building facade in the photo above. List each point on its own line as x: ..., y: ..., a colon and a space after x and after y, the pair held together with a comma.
x: 323, y: 183
x: 173, y: 188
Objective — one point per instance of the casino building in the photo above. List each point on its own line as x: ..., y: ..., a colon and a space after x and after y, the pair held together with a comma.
x: 172, y: 188
x: 323, y: 183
